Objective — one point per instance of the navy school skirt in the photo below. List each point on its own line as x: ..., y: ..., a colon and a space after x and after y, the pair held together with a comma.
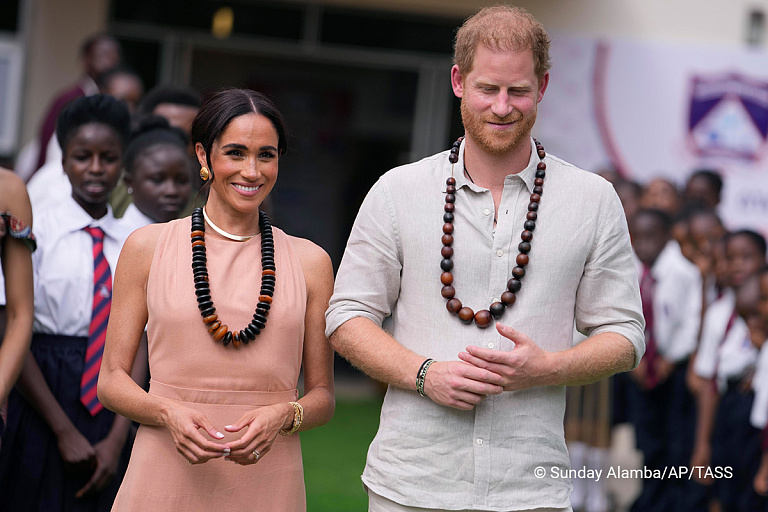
x: 32, y: 474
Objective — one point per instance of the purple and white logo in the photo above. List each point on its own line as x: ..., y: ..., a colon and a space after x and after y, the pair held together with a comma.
x: 728, y: 116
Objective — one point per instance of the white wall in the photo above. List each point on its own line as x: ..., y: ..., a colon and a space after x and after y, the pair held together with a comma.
x: 55, y: 30
x: 721, y: 21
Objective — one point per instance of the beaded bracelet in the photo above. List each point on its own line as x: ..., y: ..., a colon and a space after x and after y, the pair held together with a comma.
x: 298, y: 417
x: 420, y: 377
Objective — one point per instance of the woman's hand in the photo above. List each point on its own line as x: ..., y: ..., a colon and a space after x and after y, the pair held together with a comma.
x: 261, y: 427
x: 185, y: 425
x: 76, y: 452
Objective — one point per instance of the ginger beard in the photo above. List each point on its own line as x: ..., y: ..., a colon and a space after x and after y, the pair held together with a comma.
x: 492, y: 141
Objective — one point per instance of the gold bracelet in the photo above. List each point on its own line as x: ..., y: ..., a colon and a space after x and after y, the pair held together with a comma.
x: 298, y: 417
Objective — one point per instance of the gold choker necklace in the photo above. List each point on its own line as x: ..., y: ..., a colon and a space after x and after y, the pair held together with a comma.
x: 236, y: 238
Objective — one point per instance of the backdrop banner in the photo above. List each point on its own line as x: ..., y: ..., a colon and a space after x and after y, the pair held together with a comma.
x: 651, y: 109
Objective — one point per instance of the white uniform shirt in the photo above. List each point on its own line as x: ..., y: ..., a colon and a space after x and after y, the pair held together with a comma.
x: 48, y: 188
x: 727, y: 351
x: 133, y: 219
x: 676, y: 303
x: 759, y: 416
x: 63, y: 266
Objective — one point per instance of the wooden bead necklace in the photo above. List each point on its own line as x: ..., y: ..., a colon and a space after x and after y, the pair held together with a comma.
x: 218, y: 330
x: 484, y: 317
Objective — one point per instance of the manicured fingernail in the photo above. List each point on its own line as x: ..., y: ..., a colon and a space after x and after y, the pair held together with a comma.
x: 228, y: 426
x: 227, y: 451
x: 219, y: 435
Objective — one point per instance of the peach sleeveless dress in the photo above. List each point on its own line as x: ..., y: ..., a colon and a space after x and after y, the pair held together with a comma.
x: 187, y: 365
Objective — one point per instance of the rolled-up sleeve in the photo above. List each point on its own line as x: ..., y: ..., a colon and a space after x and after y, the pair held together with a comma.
x: 608, y: 296
x: 368, y: 280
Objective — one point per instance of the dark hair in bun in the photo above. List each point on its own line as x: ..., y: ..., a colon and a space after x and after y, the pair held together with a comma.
x: 152, y: 131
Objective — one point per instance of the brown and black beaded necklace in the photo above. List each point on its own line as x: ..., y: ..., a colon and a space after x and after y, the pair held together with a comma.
x: 218, y: 330
x: 496, y: 310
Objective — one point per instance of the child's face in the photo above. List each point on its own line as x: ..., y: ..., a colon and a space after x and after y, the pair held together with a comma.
x: 648, y: 237
x: 705, y: 231
x: 661, y: 195
x: 161, y: 182
x: 744, y: 259
x: 699, y: 188
x: 93, y: 160
x: 747, y: 300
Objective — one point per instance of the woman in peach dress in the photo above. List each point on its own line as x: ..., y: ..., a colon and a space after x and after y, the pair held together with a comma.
x: 234, y: 309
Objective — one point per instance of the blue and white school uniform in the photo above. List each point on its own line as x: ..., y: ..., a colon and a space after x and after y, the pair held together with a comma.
x: 664, y: 417
x: 32, y: 475
x: 727, y: 355
x: 759, y: 415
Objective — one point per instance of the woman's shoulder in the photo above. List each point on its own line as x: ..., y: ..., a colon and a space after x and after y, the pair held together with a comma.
x: 148, y: 236
x: 10, y: 182
x: 308, y: 250
x: 314, y: 260
x: 140, y: 245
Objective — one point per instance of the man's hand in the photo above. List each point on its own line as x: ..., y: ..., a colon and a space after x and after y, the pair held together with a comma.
x: 460, y: 385
x: 525, y: 366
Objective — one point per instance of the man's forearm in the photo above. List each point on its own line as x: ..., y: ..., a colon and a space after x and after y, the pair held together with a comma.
x: 595, y: 358
x: 368, y: 347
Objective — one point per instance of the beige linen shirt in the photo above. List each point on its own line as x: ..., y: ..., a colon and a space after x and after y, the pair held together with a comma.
x: 581, y: 270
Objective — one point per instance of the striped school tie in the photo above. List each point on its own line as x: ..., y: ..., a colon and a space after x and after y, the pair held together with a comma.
x: 97, y: 332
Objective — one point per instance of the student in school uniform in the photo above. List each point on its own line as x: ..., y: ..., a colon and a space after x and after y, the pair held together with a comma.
x: 706, y: 233
x: 759, y: 414
x: 63, y: 450
x: 660, y: 405
x: 158, y: 174
x: 726, y: 359
x: 179, y: 106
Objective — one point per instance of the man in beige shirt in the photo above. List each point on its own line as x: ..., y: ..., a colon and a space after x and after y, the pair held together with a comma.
x: 473, y: 417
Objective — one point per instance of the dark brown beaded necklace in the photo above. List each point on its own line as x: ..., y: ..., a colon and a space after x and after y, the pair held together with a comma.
x: 218, y: 330
x: 484, y: 317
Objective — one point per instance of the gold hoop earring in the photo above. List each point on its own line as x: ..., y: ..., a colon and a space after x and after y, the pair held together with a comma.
x: 205, y: 174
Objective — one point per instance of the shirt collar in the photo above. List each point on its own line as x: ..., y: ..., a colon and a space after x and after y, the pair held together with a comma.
x: 74, y: 218
x: 527, y: 175
x: 667, y: 259
x: 136, y: 217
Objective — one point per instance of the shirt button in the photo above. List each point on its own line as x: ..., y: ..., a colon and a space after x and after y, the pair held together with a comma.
x: 479, y: 441
x: 486, y: 212
x: 491, y: 345
x: 499, y: 253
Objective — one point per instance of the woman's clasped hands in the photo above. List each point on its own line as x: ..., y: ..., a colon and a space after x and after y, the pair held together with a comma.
x: 193, y: 432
